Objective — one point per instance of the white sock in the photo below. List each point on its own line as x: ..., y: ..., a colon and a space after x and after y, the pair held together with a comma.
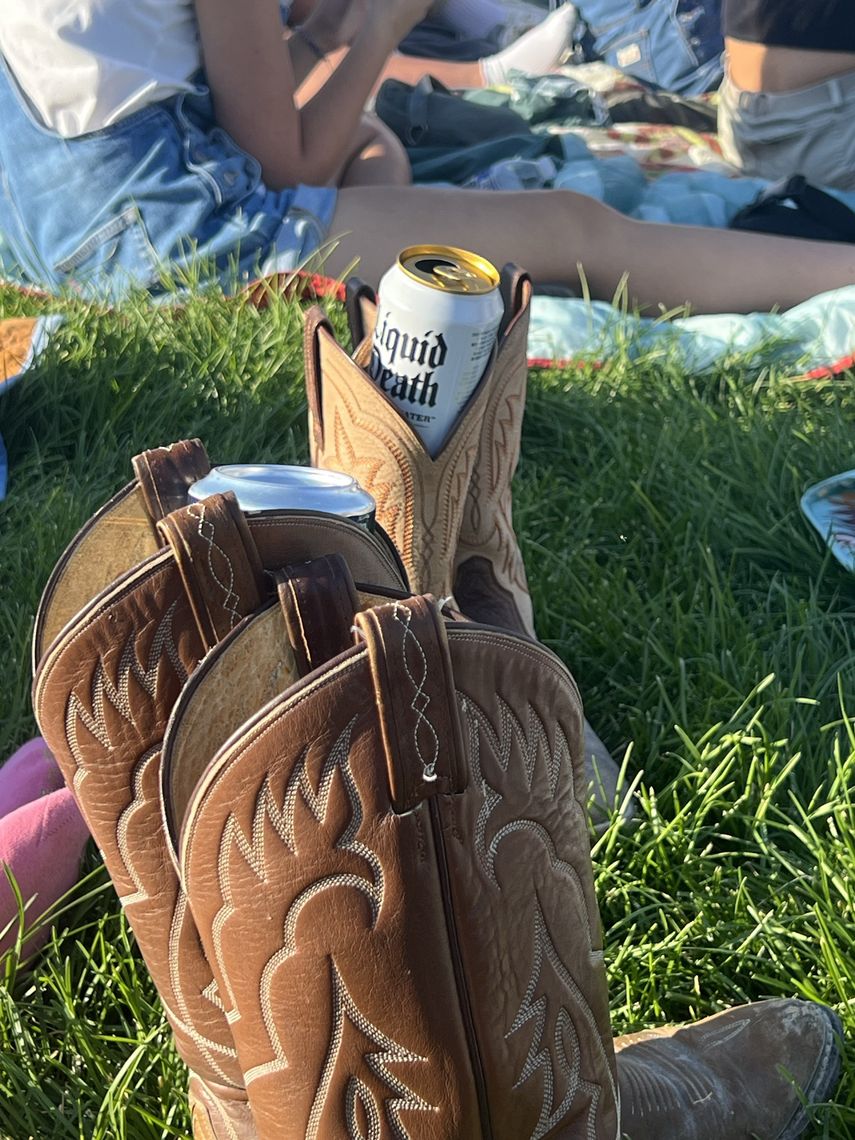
x: 472, y: 18
x: 535, y: 53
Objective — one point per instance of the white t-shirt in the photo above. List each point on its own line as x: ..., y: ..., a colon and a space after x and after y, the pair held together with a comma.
x: 85, y: 64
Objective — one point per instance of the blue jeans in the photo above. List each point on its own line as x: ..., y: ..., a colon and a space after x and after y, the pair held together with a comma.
x: 143, y: 203
x: 674, y: 44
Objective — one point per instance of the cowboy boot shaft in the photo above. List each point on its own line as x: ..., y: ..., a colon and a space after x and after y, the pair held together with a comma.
x: 490, y: 582
x: 519, y: 860
x: 317, y: 904
x: 489, y: 578
x: 443, y: 964
x: 118, y: 536
x: 355, y: 428
x: 103, y: 695
x: 102, y: 698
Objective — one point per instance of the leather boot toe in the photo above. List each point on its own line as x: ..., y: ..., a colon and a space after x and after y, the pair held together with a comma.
x: 750, y: 1072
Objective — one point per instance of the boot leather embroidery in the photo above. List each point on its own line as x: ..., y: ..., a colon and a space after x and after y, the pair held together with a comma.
x: 120, y: 717
x: 421, y: 700
x: 403, y: 1099
x: 206, y: 532
x: 117, y: 692
x: 548, y: 1053
x: 255, y: 853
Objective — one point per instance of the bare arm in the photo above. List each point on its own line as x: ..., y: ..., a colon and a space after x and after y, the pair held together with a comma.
x: 408, y: 68
x: 303, y: 59
x: 253, y: 83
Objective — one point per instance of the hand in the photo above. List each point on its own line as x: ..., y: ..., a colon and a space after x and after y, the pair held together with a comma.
x: 336, y: 23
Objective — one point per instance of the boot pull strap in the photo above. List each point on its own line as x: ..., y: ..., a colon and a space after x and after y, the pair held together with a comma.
x: 515, y: 287
x: 218, y: 562
x: 416, y: 701
x: 361, y: 305
x: 318, y: 600
x: 315, y: 321
x: 165, y: 473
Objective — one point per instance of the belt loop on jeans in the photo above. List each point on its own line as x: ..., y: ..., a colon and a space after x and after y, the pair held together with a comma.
x: 752, y: 101
x: 835, y: 92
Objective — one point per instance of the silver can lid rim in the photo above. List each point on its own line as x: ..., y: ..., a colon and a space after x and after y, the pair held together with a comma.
x: 274, y: 486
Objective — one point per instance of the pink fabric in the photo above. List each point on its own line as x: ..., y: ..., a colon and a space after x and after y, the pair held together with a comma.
x: 27, y: 774
x: 42, y: 837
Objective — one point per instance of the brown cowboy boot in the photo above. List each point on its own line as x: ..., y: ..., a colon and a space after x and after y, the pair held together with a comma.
x: 137, y: 851
x: 748, y: 1072
x: 684, y: 1084
x: 390, y: 871
x: 102, y: 697
x: 451, y: 515
x: 119, y: 535
x: 125, y: 531
x: 354, y: 427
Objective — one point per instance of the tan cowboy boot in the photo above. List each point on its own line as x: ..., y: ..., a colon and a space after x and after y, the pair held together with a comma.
x: 125, y: 531
x: 390, y: 871
x: 748, y: 1072
x: 102, y: 696
x: 451, y: 515
x: 354, y: 427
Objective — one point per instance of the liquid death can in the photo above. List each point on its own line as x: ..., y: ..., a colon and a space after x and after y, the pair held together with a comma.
x: 437, y: 318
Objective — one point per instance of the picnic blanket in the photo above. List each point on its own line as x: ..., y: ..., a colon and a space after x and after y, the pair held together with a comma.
x: 812, y: 340
x: 651, y: 171
x: 21, y: 340
x: 662, y: 172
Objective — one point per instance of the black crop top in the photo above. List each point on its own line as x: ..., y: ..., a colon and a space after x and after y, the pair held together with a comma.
x: 819, y: 25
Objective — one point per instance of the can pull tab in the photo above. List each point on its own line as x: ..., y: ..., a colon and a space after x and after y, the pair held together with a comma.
x: 462, y: 279
x: 415, y: 699
x: 459, y: 278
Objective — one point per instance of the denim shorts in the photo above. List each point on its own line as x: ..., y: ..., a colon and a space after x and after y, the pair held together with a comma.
x: 161, y: 198
x: 674, y: 44
x: 810, y: 131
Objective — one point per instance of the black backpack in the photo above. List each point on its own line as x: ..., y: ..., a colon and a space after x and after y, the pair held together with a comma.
x: 794, y: 208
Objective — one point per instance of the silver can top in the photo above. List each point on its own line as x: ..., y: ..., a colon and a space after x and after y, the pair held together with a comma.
x: 274, y: 487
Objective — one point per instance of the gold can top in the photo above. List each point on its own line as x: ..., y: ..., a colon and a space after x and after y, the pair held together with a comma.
x: 448, y: 269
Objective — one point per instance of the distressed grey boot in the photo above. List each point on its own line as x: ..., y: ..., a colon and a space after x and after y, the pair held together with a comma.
x: 748, y: 1072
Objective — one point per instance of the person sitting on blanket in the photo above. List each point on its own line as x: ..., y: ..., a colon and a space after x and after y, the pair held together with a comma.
x: 788, y: 99
x: 122, y: 156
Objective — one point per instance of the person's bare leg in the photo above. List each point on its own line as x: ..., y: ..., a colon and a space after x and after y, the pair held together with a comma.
x: 552, y: 232
x: 379, y: 158
x: 407, y: 68
x: 452, y: 73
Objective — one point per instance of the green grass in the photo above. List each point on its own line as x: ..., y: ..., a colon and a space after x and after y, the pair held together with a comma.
x: 670, y: 567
